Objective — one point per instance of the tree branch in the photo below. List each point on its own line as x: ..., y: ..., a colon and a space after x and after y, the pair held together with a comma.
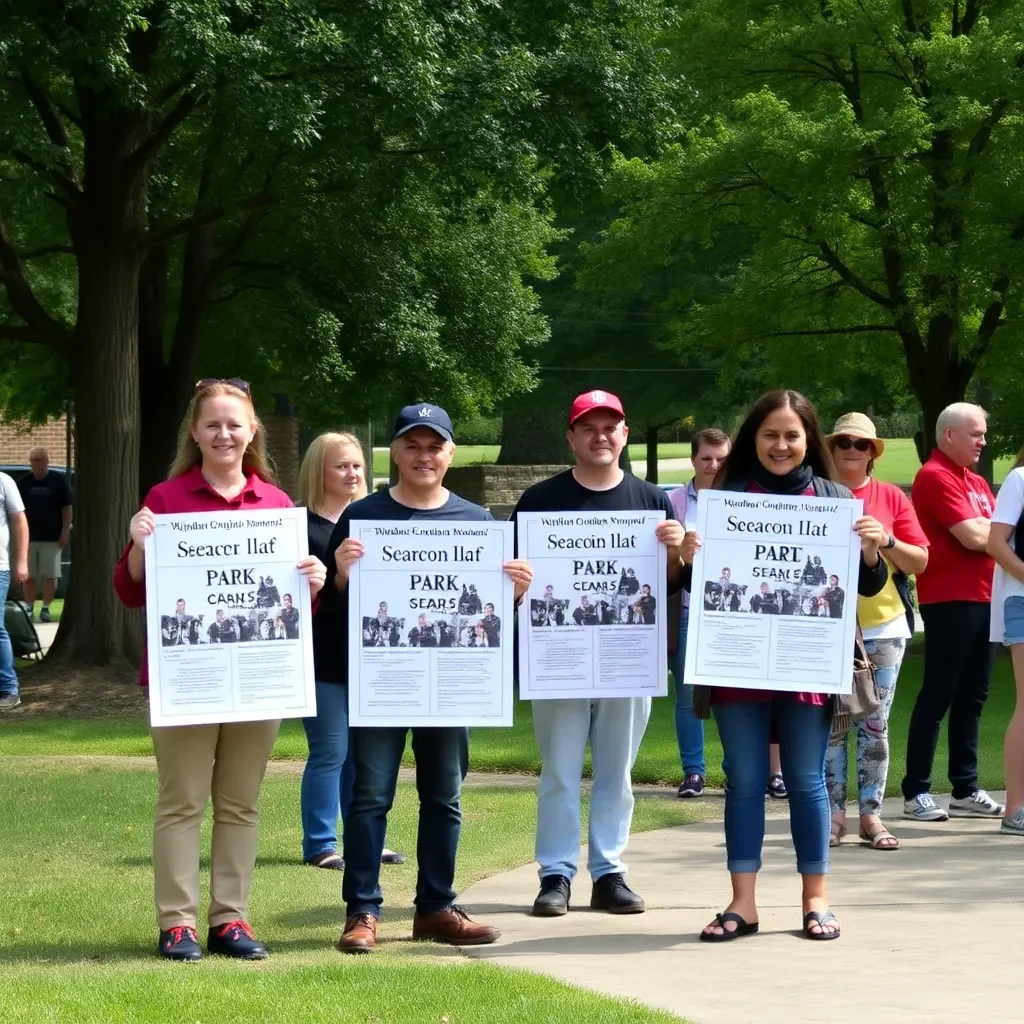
x: 158, y: 236
x: 16, y: 332
x: 47, y: 114
x: 46, y: 250
x: 855, y: 329
x: 138, y: 160
x: 832, y: 259
x: 23, y: 300
x: 64, y: 181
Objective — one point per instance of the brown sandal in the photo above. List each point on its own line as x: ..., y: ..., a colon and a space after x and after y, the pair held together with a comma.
x: 882, y: 839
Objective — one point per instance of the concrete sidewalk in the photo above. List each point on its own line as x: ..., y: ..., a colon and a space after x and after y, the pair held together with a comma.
x: 931, y: 932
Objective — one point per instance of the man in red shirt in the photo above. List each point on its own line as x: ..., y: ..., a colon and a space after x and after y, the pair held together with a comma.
x: 954, y: 506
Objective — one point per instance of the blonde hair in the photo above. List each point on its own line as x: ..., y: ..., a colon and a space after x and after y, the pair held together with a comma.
x: 311, y: 472
x: 187, y: 455
x: 1019, y: 461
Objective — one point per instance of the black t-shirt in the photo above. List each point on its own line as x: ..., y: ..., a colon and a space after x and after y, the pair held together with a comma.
x: 330, y: 624
x: 44, y: 500
x: 562, y: 493
x: 319, y: 529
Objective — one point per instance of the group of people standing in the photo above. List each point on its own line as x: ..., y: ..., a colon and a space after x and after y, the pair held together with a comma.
x: 767, y: 737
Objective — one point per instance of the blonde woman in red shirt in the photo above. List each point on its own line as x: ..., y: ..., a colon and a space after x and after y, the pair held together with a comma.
x: 220, y: 466
x: 885, y: 620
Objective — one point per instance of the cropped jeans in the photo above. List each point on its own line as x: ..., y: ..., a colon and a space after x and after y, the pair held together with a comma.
x: 8, y: 678
x: 745, y: 727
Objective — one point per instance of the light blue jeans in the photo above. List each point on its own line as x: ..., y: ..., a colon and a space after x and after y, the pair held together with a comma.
x: 614, y: 728
x: 8, y: 678
x: 689, y: 728
x: 872, y: 737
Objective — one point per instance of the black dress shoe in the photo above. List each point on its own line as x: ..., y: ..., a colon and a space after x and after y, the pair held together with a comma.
x: 180, y: 943
x: 236, y: 939
x: 553, y: 898
x: 612, y: 894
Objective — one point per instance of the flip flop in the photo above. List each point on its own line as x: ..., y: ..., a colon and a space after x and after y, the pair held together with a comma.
x: 742, y: 928
x: 837, y: 831
x: 820, y: 918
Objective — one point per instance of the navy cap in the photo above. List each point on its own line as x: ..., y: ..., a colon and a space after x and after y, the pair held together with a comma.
x: 424, y: 415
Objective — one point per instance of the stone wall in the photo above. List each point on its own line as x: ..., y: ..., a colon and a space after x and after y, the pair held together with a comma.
x: 496, y: 487
x: 18, y: 439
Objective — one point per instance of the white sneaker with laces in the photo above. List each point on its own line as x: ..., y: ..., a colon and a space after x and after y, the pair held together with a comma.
x: 924, y: 808
x: 978, y: 805
x: 1014, y: 825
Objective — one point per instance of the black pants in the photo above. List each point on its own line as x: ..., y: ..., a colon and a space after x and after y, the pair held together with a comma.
x: 957, y: 672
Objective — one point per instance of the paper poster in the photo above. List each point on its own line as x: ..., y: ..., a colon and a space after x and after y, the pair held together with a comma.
x: 430, y: 624
x: 596, y: 625
x: 773, y: 604
x: 228, y: 618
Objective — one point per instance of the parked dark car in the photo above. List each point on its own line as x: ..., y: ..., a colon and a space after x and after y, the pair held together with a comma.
x: 16, y: 471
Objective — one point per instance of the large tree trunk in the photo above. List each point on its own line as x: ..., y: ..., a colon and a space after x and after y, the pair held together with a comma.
x: 106, y: 225
x: 652, y: 454
x: 533, y: 435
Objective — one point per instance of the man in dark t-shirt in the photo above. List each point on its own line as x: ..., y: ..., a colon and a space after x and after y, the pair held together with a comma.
x: 48, y: 502
x: 597, y: 433
x: 422, y: 448
x: 290, y: 617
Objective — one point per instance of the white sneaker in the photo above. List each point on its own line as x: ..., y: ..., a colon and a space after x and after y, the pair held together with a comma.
x: 924, y: 808
x: 978, y: 805
x: 1013, y: 826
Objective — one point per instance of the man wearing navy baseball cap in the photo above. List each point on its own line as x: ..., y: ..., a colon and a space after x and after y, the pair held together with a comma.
x: 597, y: 434
x: 422, y: 447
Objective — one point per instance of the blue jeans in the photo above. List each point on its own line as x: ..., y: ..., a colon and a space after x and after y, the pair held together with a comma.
x: 8, y: 679
x: 745, y: 730
x: 322, y: 795
x: 442, y: 757
x: 689, y: 728
x: 614, y: 726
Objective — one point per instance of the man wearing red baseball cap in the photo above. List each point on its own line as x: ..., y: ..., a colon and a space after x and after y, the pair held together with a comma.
x: 597, y: 434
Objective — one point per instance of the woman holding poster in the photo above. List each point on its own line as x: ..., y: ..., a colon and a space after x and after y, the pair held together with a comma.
x: 779, y: 450
x: 884, y: 620
x: 331, y: 477
x: 220, y: 466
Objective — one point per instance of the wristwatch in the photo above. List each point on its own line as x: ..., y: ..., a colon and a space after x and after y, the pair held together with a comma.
x: 892, y: 542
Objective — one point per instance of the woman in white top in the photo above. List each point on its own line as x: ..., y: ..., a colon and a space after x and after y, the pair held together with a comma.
x: 1008, y: 629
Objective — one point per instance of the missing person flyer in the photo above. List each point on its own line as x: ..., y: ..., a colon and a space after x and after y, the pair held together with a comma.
x: 596, y: 606
x: 430, y: 624
x: 228, y: 620
x: 773, y: 603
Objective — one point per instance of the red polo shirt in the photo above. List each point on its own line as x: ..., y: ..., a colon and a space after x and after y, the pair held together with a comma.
x: 945, y: 494
x: 190, y: 492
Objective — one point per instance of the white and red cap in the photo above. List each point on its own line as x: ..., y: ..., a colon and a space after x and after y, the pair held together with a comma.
x: 590, y: 400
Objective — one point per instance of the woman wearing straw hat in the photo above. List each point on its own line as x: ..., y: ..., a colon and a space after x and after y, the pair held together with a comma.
x: 886, y: 622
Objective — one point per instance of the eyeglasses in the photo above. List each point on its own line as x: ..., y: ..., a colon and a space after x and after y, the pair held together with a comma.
x: 234, y: 382
x: 846, y: 443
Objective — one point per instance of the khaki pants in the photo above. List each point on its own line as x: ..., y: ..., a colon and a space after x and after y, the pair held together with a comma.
x: 194, y: 762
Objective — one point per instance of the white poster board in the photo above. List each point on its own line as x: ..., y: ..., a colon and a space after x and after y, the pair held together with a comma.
x: 593, y: 622
x: 773, y: 604
x: 430, y: 624
x: 228, y: 619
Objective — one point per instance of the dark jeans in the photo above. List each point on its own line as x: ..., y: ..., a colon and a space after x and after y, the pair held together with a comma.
x: 957, y: 673
x: 442, y: 757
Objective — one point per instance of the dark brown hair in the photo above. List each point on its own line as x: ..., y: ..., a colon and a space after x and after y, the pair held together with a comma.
x: 709, y: 435
x: 742, y: 459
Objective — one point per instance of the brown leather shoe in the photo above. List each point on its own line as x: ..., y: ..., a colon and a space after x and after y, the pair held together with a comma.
x: 360, y: 934
x: 454, y: 926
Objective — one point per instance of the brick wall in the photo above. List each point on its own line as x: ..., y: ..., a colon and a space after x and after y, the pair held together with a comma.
x: 18, y: 439
x: 283, y: 448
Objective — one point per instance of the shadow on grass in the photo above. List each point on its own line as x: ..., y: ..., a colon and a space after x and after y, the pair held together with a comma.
x: 89, y: 950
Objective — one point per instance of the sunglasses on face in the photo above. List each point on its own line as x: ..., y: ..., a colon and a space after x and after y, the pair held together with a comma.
x: 234, y: 382
x: 860, y: 444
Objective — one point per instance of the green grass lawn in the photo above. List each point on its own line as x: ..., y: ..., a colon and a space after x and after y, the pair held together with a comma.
x: 514, y: 749
x: 77, y: 932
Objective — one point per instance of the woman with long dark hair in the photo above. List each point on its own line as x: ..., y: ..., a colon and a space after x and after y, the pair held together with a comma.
x: 779, y: 449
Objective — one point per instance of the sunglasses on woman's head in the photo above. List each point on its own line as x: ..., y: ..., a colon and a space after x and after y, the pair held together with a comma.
x: 234, y: 382
x: 846, y: 443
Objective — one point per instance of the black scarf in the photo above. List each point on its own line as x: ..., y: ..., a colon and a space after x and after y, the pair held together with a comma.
x: 796, y: 481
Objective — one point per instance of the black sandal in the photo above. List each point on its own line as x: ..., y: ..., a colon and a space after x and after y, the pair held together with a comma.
x: 330, y: 861
x: 821, y: 918
x: 741, y: 929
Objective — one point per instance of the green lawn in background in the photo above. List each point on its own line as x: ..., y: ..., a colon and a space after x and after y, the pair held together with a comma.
x: 515, y: 750
x: 77, y: 932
